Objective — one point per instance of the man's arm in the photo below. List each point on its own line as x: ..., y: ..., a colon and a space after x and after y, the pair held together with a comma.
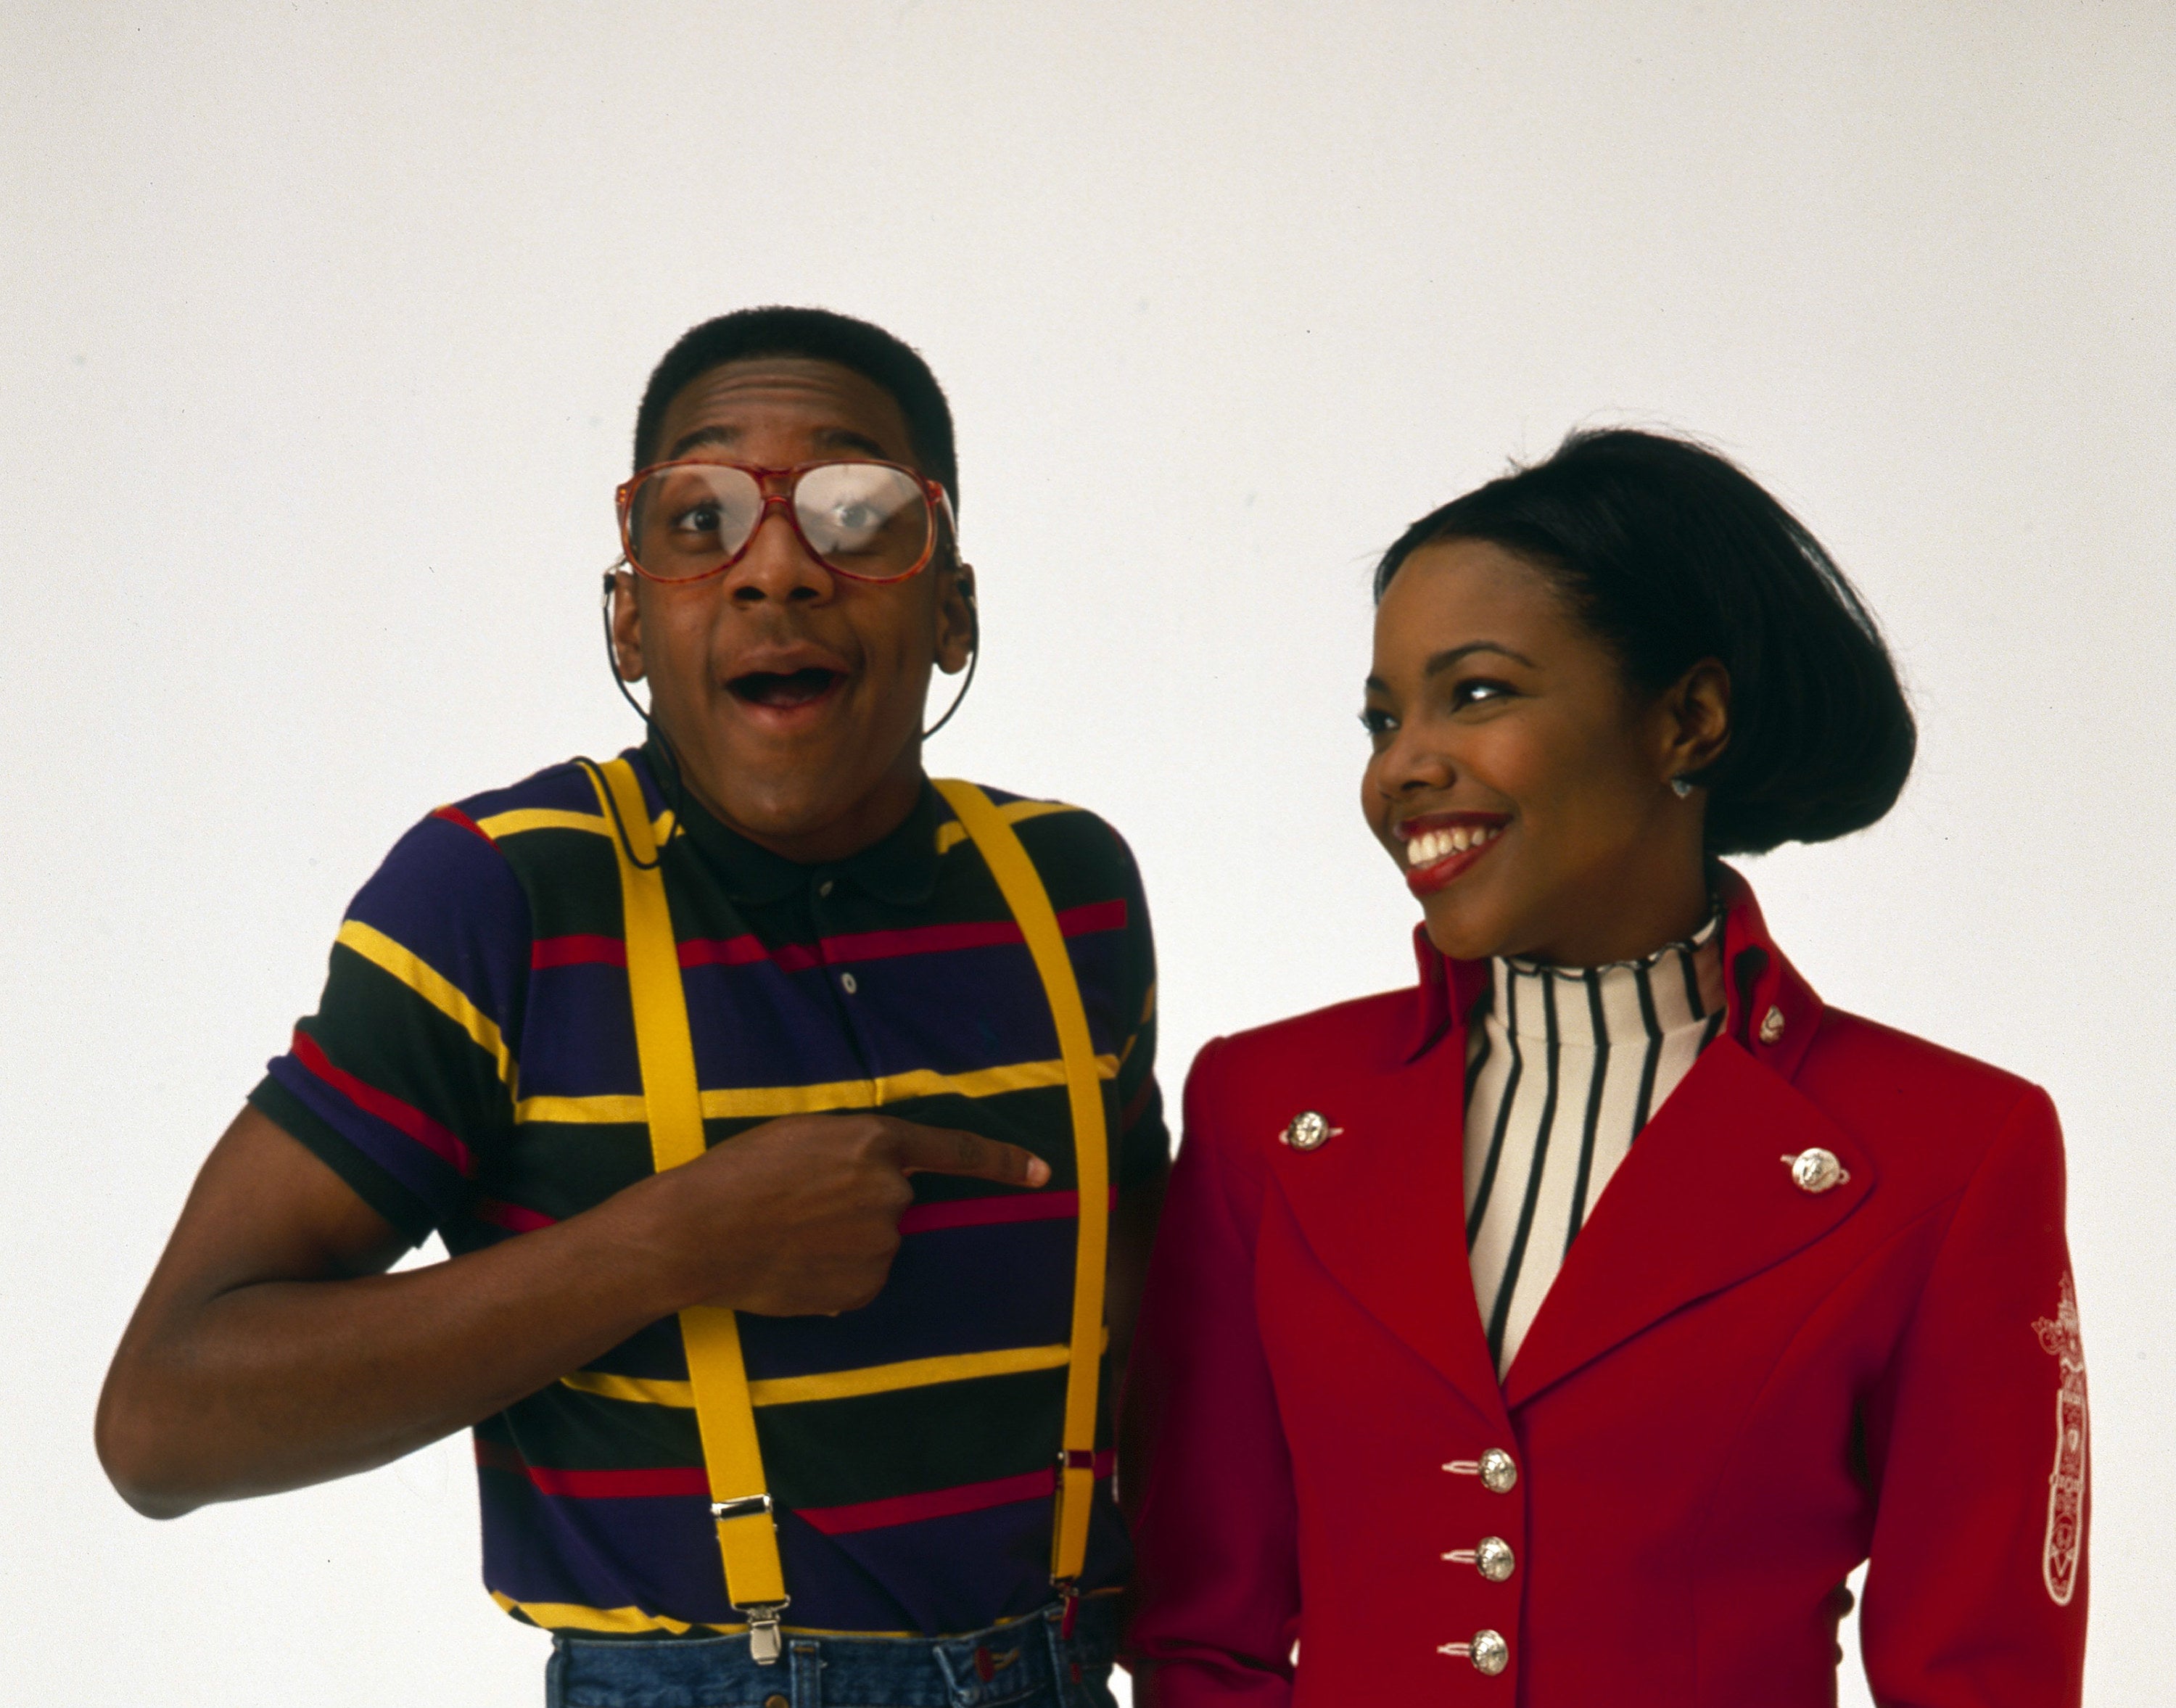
x: 269, y: 1353
x: 1132, y: 1238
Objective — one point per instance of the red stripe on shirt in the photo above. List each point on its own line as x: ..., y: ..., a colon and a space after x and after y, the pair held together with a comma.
x: 596, y: 1485
x: 515, y: 1218
x: 388, y: 1108
x: 941, y: 1502
x: 881, y: 945
x: 577, y: 951
x: 453, y: 815
x: 744, y: 951
x: 933, y: 939
x: 987, y: 1212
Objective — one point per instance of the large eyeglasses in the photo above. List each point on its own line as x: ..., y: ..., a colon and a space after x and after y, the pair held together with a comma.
x: 682, y: 521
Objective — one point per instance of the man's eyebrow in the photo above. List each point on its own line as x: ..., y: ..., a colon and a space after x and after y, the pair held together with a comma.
x: 846, y: 439
x: 1443, y: 660
x: 725, y: 437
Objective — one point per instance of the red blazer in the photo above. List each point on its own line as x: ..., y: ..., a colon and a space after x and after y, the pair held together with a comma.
x: 1736, y: 1391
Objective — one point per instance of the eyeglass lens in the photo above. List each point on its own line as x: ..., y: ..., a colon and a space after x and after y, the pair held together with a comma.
x: 865, y: 520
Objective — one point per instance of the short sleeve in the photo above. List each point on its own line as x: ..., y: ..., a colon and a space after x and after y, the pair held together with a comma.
x: 404, y: 1078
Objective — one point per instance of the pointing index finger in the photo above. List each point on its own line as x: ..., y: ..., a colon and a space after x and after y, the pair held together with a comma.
x: 948, y: 1150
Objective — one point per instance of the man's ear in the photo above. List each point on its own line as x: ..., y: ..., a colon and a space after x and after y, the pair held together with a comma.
x: 957, y: 627
x: 1699, y: 727
x: 626, y: 627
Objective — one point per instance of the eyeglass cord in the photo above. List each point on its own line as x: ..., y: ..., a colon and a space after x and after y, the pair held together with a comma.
x: 678, y: 798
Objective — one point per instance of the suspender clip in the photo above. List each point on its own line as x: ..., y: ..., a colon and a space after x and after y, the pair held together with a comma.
x: 763, y: 1644
x: 1068, y: 1591
x: 746, y: 1506
x: 1076, y: 1458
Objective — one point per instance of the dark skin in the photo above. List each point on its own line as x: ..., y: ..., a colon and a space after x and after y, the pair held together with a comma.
x: 1492, y: 709
x: 271, y: 1351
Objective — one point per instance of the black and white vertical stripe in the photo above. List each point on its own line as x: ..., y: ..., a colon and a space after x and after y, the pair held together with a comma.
x: 1565, y: 1066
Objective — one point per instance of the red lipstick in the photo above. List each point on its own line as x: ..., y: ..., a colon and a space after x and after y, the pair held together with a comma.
x: 1443, y: 848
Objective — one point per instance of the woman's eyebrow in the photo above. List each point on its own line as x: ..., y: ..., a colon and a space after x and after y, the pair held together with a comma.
x: 1442, y: 662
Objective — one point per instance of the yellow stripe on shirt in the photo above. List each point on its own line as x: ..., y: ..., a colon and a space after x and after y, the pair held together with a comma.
x: 834, y: 1385
x: 769, y: 1102
x: 427, y: 983
x: 950, y: 836
x: 515, y: 822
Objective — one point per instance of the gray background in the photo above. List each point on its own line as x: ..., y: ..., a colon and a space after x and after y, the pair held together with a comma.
x: 325, y: 329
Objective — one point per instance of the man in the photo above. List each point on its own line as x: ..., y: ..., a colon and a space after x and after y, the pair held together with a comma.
x: 888, y: 1201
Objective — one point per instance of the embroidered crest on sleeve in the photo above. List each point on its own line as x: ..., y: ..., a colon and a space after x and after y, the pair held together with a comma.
x: 2066, y: 1482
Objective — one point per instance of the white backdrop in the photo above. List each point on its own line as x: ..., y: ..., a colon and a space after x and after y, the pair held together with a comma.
x: 325, y: 327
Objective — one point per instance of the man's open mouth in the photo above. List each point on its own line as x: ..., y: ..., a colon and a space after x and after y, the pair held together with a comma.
x: 786, y: 688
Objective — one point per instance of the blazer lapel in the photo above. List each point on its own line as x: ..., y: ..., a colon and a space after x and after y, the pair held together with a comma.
x: 1381, y: 1204
x: 1704, y: 1200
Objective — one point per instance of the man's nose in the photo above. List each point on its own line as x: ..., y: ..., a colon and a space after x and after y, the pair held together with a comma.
x: 776, y: 565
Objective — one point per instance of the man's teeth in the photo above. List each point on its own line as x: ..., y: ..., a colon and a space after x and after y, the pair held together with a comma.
x: 1429, y: 846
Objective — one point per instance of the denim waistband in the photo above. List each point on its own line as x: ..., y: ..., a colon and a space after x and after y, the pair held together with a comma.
x: 1022, y: 1661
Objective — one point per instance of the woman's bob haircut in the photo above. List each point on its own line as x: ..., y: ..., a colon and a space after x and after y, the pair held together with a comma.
x: 1672, y: 554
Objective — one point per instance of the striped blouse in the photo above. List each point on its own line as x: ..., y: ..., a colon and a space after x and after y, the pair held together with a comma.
x: 1565, y: 1066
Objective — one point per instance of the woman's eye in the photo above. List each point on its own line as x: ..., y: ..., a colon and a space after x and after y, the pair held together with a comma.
x: 1377, y: 722
x: 701, y: 519
x: 1474, y: 691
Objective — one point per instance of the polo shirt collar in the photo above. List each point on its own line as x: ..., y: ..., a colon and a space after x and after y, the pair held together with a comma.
x: 900, y: 868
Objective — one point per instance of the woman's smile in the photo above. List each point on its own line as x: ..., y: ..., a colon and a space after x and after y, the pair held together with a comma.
x: 1441, y: 847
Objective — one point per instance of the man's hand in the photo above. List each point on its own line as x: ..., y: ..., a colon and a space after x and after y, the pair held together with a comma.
x: 813, y: 1203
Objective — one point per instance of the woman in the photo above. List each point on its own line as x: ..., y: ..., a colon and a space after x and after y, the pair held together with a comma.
x: 1749, y: 1290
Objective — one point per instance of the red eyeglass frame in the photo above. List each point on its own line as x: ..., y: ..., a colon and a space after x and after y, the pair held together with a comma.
x: 932, y: 493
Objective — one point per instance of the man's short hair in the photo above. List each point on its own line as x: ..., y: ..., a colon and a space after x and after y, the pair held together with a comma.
x: 820, y: 336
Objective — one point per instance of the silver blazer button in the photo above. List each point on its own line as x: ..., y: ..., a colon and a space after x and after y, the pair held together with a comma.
x: 1488, y: 1652
x: 1816, y: 1170
x: 1308, y: 1131
x: 1492, y: 1557
x: 1499, y: 1471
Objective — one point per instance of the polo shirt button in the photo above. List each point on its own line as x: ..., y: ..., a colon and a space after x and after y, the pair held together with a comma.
x: 822, y: 888
x: 848, y: 984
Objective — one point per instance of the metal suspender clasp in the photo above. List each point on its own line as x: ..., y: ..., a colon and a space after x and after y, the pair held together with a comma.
x: 763, y: 1644
x: 1068, y: 1588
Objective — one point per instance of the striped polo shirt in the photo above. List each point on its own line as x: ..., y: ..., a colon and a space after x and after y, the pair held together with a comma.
x: 472, y: 1071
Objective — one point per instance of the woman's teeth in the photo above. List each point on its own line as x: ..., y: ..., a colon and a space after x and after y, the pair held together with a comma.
x: 1428, y: 847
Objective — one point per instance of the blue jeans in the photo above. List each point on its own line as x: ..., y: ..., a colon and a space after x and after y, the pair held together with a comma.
x: 1024, y: 1663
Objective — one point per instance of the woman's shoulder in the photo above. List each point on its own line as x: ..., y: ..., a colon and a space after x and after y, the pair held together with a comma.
x: 1917, y: 1104
x: 1851, y: 1049
x: 1328, y: 1056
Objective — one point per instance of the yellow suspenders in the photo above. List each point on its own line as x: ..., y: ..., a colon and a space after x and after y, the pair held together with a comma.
x: 740, y: 1502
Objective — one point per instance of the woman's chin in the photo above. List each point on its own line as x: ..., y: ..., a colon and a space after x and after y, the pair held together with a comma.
x: 1460, y: 930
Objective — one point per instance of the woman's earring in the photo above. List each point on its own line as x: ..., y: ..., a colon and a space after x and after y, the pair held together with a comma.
x: 1680, y: 787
